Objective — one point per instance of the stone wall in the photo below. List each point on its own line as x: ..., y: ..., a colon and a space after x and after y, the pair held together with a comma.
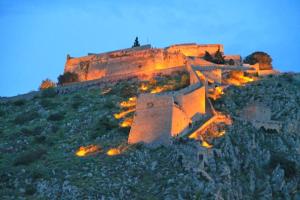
x: 158, y: 117
x: 138, y: 60
x: 152, y: 120
x: 196, y: 50
x: 192, y: 102
x: 144, y: 61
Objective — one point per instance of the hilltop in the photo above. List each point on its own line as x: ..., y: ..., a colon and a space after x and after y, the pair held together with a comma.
x: 40, y: 139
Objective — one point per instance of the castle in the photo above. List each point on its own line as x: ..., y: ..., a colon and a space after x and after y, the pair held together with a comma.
x: 159, y: 117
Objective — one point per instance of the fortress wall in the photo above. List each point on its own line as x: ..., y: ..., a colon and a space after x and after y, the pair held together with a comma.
x: 152, y: 120
x: 136, y: 62
x: 180, y: 121
x: 193, y: 102
x: 195, y: 49
x: 214, y: 75
x: 256, y: 112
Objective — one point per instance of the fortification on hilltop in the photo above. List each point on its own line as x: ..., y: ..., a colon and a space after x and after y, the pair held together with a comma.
x: 137, y: 61
x: 159, y: 117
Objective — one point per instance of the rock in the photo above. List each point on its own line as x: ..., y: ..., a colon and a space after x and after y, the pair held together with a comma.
x: 277, y: 179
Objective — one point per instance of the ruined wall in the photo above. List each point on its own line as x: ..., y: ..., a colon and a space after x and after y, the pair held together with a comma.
x: 196, y: 50
x: 256, y: 112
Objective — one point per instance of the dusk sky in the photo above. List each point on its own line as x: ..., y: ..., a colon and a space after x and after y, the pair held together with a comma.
x: 36, y: 36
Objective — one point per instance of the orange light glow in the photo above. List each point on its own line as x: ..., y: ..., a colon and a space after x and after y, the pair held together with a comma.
x: 158, y: 89
x: 216, y: 93
x: 144, y: 87
x: 238, y: 79
x: 131, y: 102
x: 206, y: 144
x: 123, y: 114
x: 220, y: 133
x: 113, y: 152
x: 127, y: 122
x: 84, y: 151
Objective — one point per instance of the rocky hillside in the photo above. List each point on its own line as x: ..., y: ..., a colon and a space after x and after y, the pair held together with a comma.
x: 39, y: 139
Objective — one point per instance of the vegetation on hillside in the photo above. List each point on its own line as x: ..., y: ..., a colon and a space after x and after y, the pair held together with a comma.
x: 67, y: 77
x: 217, y: 58
x: 264, y: 60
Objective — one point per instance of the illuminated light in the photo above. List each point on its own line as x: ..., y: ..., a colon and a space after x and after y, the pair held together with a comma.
x: 216, y: 93
x: 127, y: 122
x: 123, y: 114
x: 220, y: 133
x: 219, y: 90
x: 84, y: 151
x: 239, y: 79
x: 206, y: 144
x: 130, y: 103
x: 157, y: 90
x: 144, y: 87
x: 113, y: 152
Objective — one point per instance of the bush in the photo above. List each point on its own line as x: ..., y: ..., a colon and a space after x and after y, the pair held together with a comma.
x: 106, y: 124
x: 290, y: 168
x: 19, y: 102
x: 29, y: 157
x: 49, y: 93
x: 27, y: 131
x: 218, y: 58
x: 56, y: 116
x: 40, y: 139
x: 185, y: 80
x: 76, y: 101
x: 68, y: 77
x: 230, y: 62
x: 30, y: 190
x: 47, y: 103
x: 47, y: 83
x: 264, y: 60
x: 26, y: 117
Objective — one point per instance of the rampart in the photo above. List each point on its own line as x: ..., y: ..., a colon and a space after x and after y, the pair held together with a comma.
x: 139, y: 60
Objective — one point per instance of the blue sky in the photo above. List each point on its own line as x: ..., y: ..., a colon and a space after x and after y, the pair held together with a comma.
x: 36, y: 36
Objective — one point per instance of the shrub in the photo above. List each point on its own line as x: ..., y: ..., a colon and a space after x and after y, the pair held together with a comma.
x: 56, y: 116
x: 230, y: 62
x: 290, y: 168
x: 105, y: 124
x: 208, y: 57
x: 264, y: 60
x: 77, y: 101
x: 185, y: 80
x: 47, y: 83
x: 49, y: 93
x: 218, y: 58
x: 26, y: 117
x: 47, y: 103
x: 30, y: 190
x: 40, y: 139
x: 27, y: 131
x: 128, y: 91
x: 19, y: 102
x: 68, y: 77
x: 29, y: 156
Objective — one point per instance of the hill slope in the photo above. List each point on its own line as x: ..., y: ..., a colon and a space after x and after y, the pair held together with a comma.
x: 39, y: 139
